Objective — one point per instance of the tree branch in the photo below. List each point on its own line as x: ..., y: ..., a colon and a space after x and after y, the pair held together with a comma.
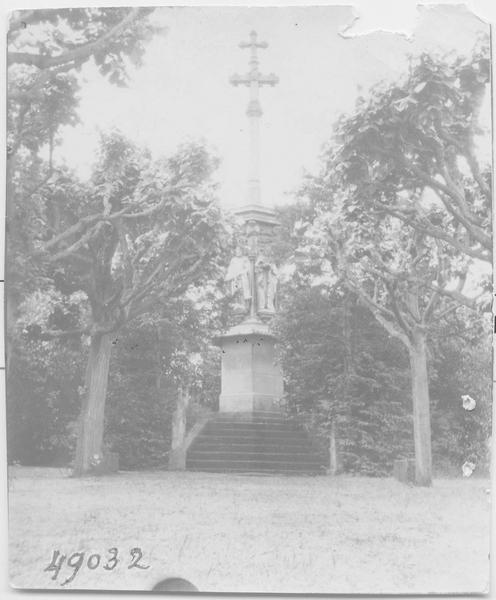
x: 51, y: 334
x: 396, y: 310
x: 81, y: 225
x: 426, y: 227
x: 434, y: 184
x: 459, y: 297
x: 445, y: 312
x: 78, y: 54
x: 378, y: 312
x: 80, y: 243
x: 467, y: 152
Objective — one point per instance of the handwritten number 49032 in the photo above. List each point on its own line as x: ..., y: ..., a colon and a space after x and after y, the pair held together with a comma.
x: 77, y: 559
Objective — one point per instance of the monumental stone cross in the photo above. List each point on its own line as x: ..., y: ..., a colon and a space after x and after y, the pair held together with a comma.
x: 254, y: 80
x: 251, y: 379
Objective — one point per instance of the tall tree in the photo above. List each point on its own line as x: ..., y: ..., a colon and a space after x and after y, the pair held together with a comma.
x: 140, y: 234
x: 403, y: 209
x: 397, y: 272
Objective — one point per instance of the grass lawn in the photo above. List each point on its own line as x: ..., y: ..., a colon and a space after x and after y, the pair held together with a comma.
x: 251, y: 533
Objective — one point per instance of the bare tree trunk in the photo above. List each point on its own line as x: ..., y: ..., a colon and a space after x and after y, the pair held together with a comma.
x: 92, y: 419
x: 421, y: 409
x: 179, y: 418
x: 333, y: 452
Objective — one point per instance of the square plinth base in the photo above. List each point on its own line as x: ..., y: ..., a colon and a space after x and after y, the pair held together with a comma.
x: 251, y: 379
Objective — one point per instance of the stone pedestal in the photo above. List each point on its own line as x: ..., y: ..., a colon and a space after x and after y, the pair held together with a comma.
x: 251, y: 377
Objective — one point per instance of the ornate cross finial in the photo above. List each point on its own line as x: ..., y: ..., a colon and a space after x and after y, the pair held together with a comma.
x: 254, y: 80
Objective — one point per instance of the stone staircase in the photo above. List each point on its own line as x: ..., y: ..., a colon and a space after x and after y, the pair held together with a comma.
x: 255, y: 442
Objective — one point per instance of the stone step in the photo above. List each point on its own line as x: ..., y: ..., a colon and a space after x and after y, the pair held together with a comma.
x: 301, y: 445
x: 260, y: 471
x: 251, y: 414
x: 246, y: 444
x: 253, y: 433
x: 251, y: 465
x: 254, y: 443
x: 251, y: 426
x: 199, y: 454
x: 251, y: 419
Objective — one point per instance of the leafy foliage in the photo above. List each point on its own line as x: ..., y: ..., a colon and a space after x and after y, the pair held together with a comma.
x: 154, y: 358
x: 461, y: 365
x: 43, y: 402
x: 46, y: 49
x: 391, y: 227
x: 117, y: 252
x: 67, y: 38
x: 138, y: 233
x: 411, y: 151
x: 400, y: 210
x: 339, y: 365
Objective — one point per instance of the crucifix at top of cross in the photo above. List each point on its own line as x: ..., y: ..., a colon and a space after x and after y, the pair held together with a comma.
x: 254, y: 79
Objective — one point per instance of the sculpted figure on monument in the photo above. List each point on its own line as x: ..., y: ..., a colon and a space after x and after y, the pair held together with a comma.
x: 266, y: 280
x: 238, y: 275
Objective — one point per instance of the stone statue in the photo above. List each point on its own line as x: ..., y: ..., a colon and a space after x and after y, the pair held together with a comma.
x: 247, y: 286
x: 266, y: 280
x: 238, y: 275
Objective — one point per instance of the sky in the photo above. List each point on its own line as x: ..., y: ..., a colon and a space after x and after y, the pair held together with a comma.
x: 182, y: 92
